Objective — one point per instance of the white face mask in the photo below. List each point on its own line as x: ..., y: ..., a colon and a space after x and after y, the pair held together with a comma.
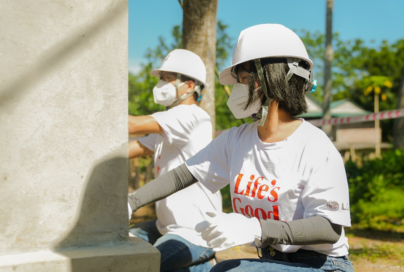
x: 238, y: 100
x: 164, y: 93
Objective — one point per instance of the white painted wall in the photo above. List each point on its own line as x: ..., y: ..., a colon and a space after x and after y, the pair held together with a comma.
x: 63, y: 126
x: 63, y: 108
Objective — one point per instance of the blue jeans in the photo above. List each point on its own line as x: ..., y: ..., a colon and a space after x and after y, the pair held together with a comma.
x: 273, y: 260
x: 177, y: 254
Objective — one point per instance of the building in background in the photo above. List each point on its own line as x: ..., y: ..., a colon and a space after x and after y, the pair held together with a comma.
x: 346, y: 136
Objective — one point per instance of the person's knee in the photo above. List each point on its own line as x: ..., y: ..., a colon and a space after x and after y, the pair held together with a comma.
x: 147, y: 231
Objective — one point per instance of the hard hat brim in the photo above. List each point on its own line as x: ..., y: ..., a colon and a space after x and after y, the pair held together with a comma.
x: 156, y: 73
x: 226, y: 78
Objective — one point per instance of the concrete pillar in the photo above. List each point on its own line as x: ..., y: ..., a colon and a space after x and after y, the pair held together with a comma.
x: 63, y: 138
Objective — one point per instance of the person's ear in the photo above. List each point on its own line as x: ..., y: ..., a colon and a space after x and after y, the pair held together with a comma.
x: 257, y: 83
x: 190, y: 85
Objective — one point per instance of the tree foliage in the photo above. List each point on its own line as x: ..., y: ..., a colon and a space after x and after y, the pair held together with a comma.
x: 355, y: 64
x: 376, y: 189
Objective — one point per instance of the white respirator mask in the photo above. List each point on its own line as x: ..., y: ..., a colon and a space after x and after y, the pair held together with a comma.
x: 165, y: 93
x: 238, y: 100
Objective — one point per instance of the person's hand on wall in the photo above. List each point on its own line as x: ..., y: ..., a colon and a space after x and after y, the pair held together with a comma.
x: 225, y: 230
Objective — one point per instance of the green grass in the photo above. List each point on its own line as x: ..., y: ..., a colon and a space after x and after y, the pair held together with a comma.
x: 380, y: 252
x: 376, y: 245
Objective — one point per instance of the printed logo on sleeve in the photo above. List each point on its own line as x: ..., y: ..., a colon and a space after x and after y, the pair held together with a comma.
x: 333, y: 205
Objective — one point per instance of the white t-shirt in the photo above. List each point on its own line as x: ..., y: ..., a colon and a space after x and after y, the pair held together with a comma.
x: 187, y: 129
x: 297, y: 178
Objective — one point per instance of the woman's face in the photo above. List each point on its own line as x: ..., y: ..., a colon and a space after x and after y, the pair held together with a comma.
x: 243, y: 72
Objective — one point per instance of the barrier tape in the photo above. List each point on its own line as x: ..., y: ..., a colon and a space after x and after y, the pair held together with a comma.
x: 391, y: 114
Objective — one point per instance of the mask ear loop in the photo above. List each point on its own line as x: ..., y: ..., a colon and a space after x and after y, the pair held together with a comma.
x: 264, y: 111
x: 185, y: 96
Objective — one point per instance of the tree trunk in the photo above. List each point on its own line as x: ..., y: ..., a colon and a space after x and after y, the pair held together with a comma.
x: 199, y: 36
x: 398, y: 129
x: 328, y: 57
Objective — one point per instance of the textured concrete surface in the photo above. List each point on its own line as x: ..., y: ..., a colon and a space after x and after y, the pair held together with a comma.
x: 136, y: 255
x: 63, y: 125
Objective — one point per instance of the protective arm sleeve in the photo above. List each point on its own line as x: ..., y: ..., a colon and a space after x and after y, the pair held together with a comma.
x: 308, y: 231
x: 161, y: 187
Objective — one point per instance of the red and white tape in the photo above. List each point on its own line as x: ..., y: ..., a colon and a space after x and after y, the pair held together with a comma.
x: 391, y: 114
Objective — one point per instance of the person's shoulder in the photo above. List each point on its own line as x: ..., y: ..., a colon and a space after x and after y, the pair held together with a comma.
x: 313, y: 133
x: 318, y: 141
x: 189, y: 110
x: 198, y: 111
x: 241, y: 131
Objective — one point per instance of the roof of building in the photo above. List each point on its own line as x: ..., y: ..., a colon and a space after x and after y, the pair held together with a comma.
x: 340, y: 108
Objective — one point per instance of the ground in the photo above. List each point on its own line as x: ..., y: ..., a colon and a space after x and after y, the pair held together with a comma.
x: 369, y: 250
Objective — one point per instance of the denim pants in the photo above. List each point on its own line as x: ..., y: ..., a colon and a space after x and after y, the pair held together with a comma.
x: 273, y: 260
x: 177, y: 254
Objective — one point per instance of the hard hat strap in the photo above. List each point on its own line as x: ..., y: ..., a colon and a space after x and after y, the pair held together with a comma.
x: 295, y: 69
x: 261, y: 77
x: 264, y: 108
x: 177, y: 84
x: 185, y: 96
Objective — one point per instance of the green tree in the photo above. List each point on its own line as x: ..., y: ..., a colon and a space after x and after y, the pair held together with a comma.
x: 353, y: 62
x: 347, y: 65
x: 385, y: 60
x: 140, y: 94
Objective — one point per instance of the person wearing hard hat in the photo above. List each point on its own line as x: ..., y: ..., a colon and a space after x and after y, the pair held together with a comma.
x: 288, y: 184
x: 174, y: 136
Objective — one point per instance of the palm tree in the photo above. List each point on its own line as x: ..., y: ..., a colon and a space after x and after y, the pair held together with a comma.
x: 375, y: 84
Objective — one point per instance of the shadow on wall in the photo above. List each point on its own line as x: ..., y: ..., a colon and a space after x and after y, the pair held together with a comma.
x: 56, y: 55
x: 99, y: 239
x: 102, y: 218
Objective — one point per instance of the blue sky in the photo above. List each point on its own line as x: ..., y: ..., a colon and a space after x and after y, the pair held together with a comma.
x: 366, y: 19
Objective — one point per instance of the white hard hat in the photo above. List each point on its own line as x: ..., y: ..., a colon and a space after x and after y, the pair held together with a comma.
x: 183, y: 62
x: 265, y: 41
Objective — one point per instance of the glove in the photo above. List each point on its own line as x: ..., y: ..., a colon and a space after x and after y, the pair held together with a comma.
x: 225, y: 230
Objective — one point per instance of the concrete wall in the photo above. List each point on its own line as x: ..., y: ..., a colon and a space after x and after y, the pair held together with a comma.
x: 63, y: 125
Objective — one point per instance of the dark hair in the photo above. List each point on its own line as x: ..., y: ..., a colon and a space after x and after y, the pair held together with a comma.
x: 195, y: 94
x: 289, y: 94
